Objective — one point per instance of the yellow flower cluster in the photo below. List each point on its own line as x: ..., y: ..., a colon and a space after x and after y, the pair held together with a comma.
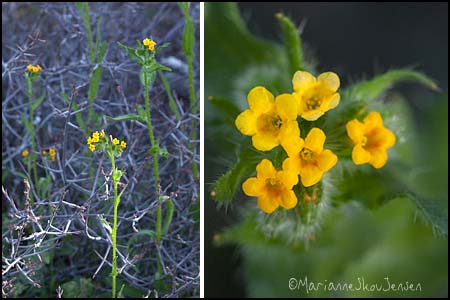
x: 98, y: 141
x: 52, y: 153
x: 25, y: 153
x: 150, y: 44
x: 272, y: 121
x: 34, y: 69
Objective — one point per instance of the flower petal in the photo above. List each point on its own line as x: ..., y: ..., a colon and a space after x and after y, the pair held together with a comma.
x: 292, y: 164
x: 267, y: 204
x: 389, y: 138
x: 330, y: 79
x: 311, y: 115
x: 253, y: 187
x: 373, y: 120
x: 355, y: 131
x: 264, y: 141
x: 315, y: 140
x: 288, y: 199
x: 326, y: 160
x: 360, y: 155
x: 302, y: 79
x: 378, y: 158
x: 260, y: 100
x: 288, y: 131
x: 286, y: 106
x: 288, y: 178
x: 293, y: 146
x: 265, y: 169
x: 334, y: 101
x: 246, y: 122
x: 310, y: 175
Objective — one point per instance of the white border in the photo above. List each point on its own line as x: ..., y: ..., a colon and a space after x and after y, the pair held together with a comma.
x: 202, y: 152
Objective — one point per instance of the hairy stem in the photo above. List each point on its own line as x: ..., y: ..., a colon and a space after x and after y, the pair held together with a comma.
x: 114, y: 229
x: 33, y: 139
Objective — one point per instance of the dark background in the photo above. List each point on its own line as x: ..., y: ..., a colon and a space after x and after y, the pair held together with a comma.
x: 355, y: 40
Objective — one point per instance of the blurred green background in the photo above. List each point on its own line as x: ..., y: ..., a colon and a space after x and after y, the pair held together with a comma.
x: 357, y: 41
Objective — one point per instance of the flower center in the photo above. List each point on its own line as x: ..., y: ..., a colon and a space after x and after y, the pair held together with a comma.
x: 274, y: 186
x: 313, y: 102
x: 364, y: 140
x: 269, y: 122
x: 306, y: 155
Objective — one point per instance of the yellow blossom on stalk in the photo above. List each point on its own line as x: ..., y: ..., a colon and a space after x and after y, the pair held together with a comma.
x: 123, y: 144
x: 308, y: 158
x: 52, y: 153
x: 371, y: 140
x: 34, y: 69
x: 89, y: 141
x: 25, y: 153
x: 91, y: 147
x: 115, y: 141
x: 315, y: 96
x: 273, y: 188
x: 269, y: 121
x: 150, y: 44
x: 102, y: 133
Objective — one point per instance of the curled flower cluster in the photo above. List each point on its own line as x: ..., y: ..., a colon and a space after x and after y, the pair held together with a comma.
x: 272, y: 121
x: 150, y: 44
x: 34, y: 69
x: 100, y: 142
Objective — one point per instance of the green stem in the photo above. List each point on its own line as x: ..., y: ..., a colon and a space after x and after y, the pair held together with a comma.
x: 33, y: 139
x: 114, y: 229
x: 155, y: 158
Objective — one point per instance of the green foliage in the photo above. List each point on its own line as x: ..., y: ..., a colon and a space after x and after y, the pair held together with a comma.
x: 292, y: 43
x: 80, y: 288
x: 172, y: 104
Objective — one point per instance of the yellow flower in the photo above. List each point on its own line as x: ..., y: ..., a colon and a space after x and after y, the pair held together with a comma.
x: 95, y: 139
x: 315, y: 96
x: 89, y: 141
x: 308, y: 158
x: 269, y: 121
x: 371, y: 140
x: 52, y: 153
x: 150, y: 44
x: 273, y: 188
x: 25, y: 153
x: 44, y: 152
x: 34, y: 69
x: 123, y: 144
x: 92, y: 147
x: 102, y: 134
x: 115, y: 141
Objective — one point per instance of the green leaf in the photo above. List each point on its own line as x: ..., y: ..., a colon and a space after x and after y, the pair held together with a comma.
x: 37, y: 102
x: 129, y: 117
x: 141, y: 112
x: 172, y: 104
x: 102, y: 52
x: 97, y: 36
x: 144, y: 232
x: 292, y: 43
x: 105, y: 224
x: 188, y: 37
x: 431, y: 211
x: 95, y: 83
x: 148, y: 75
x: 80, y: 7
x: 162, y: 46
x: 27, y: 124
x: 168, y: 218
x: 373, y: 89
x: 131, y: 52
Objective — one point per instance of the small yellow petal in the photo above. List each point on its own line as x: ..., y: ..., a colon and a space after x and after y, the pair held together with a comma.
x: 315, y: 140
x: 378, y: 158
x: 265, y: 169
x: 360, y: 155
x: 292, y: 164
x: 310, y: 175
x: 286, y: 106
x: 260, y: 100
x: 355, y: 131
x: 288, y: 178
x: 253, y: 187
x: 264, y: 141
x: 293, y: 146
x: 123, y: 144
x: 25, y: 153
x: 115, y: 141
x: 330, y: 79
x: 301, y: 80
x: 331, y: 102
x: 326, y: 160
x: 311, y: 115
x: 289, y: 130
x: 288, y: 199
x: 373, y: 120
x: 266, y: 204
x: 246, y: 122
